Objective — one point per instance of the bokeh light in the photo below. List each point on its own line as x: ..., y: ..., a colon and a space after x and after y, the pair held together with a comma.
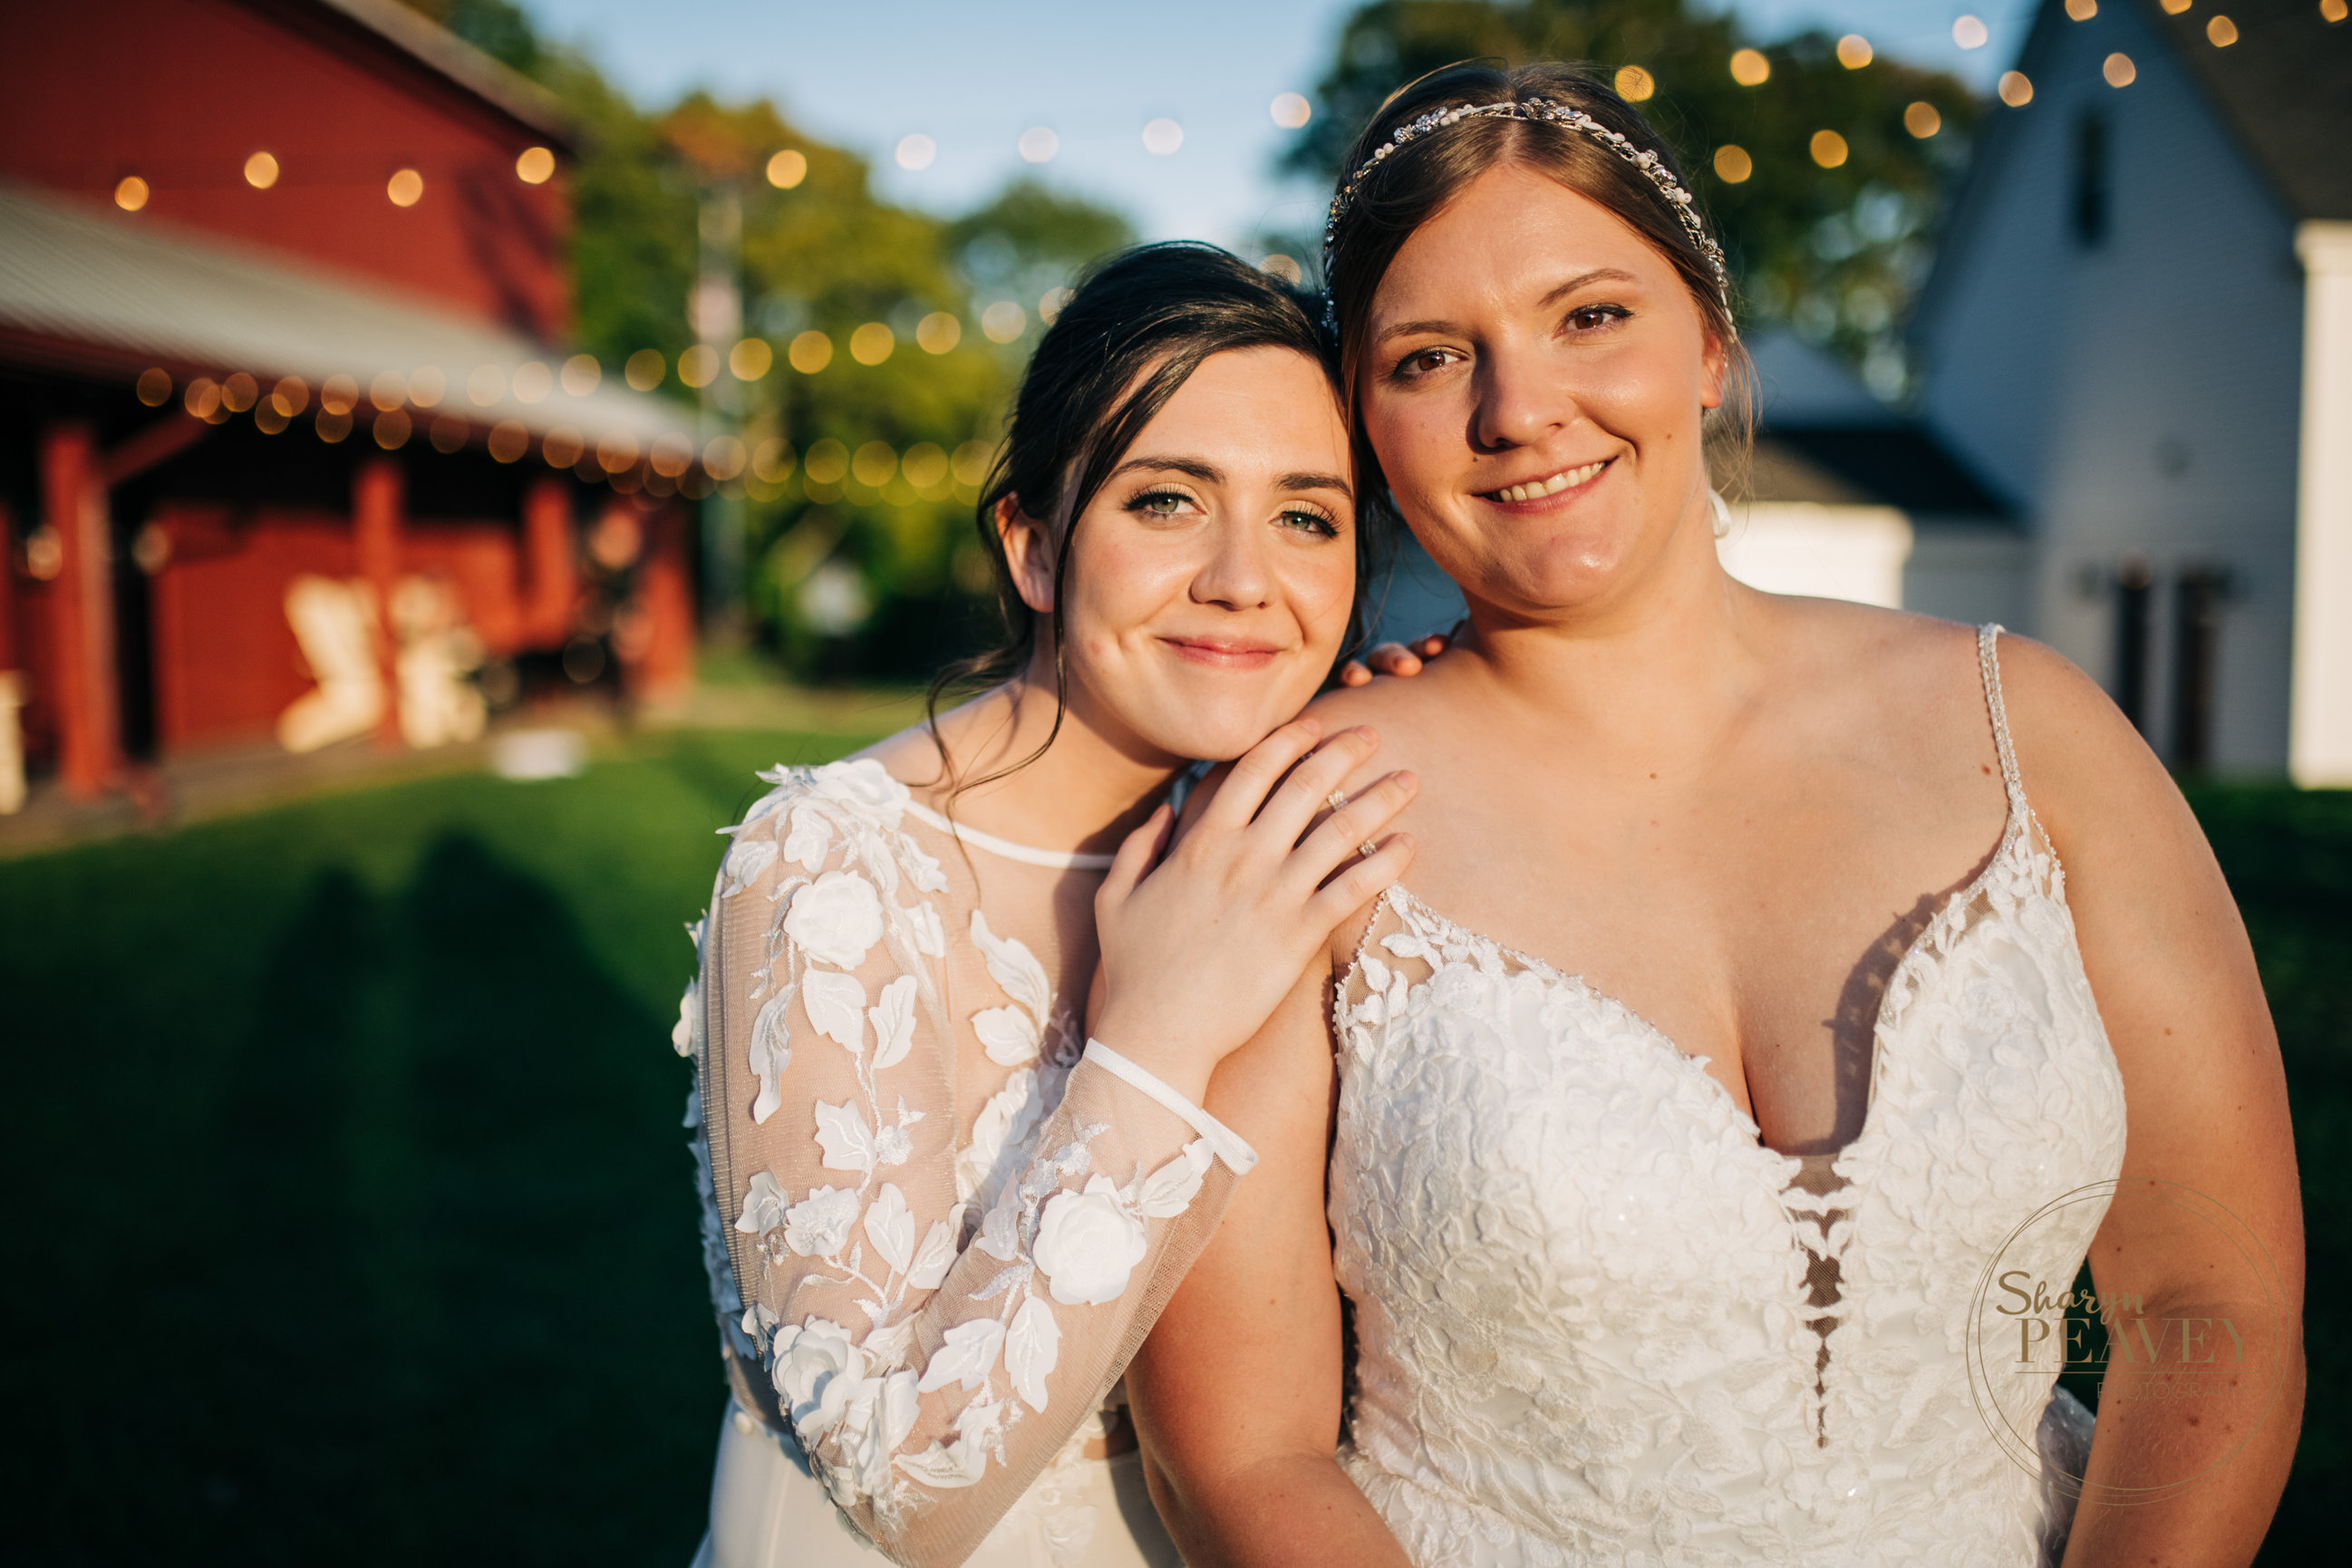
x: 1050, y: 304
x: 405, y: 188
x: 750, y: 359
x: 697, y: 367
x: 925, y: 466
x: 2014, y: 88
x: 290, y: 394
x: 1003, y: 322
x: 773, y: 460
x: 580, y: 375
x: 392, y: 430
x: 2329, y: 10
x: 1285, y: 267
x: 332, y: 425
x: 261, y: 171
x: 970, y: 463
x: 787, y: 169
x: 448, y: 432
x: 508, y: 440
x: 672, y: 454
x: 1827, y: 147
x: 916, y: 151
x: 644, y: 369
x: 872, y: 344
x: 811, y: 353
x: 1970, y: 32
x: 535, y: 165
x: 339, y: 394
x: 827, y: 462
x: 874, y: 464
x: 2174, y: 7
x: 154, y: 387
x: 1920, y: 119
x: 239, y: 392
x: 1635, y: 84
x: 1162, y: 137
x: 1038, y: 145
x: 1732, y: 164
x: 2083, y: 10
x: 1291, y: 110
x: 202, y: 397
x: 723, y: 459
x: 131, y: 193
x: 1854, y: 51
x: 486, y: 385
x: 616, y: 450
x: 2221, y: 32
x: 388, y: 390
x: 1750, y: 68
x: 2119, y: 71
x: 562, y: 447
x: 937, y: 332
x: 425, y: 386
x: 533, y: 381
x: 270, y: 416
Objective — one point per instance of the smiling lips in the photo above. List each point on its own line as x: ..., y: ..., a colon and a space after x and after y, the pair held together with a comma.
x: 1224, y: 653
x: 1536, y: 489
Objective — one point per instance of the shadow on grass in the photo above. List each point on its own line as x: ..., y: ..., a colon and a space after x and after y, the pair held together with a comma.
x: 405, y: 1273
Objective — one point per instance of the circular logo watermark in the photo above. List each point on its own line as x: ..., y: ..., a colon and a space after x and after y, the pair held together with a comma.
x: 2036, y: 1318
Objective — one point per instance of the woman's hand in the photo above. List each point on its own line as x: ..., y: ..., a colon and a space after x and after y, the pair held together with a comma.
x: 1198, y: 948
x: 1396, y: 658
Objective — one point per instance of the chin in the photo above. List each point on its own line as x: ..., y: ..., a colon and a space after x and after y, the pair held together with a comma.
x: 1214, y: 730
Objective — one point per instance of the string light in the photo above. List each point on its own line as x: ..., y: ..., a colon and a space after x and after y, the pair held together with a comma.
x: 787, y: 169
x: 261, y: 171
x: 535, y: 165
x: 1750, y: 68
x: 1921, y: 120
x: 131, y: 193
x: 1732, y: 164
x: 405, y: 188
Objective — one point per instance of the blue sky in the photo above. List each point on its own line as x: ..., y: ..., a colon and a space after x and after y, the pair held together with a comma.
x: 974, y: 77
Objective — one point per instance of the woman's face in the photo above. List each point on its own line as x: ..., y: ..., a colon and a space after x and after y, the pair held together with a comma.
x: 1533, y: 378
x: 1211, y: 577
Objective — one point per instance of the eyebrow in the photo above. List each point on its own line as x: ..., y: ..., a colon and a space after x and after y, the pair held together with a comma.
x: 1210, y: 474
x: 1597, y: 275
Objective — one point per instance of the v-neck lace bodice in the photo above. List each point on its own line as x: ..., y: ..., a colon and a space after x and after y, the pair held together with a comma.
x: 1599, y: 1320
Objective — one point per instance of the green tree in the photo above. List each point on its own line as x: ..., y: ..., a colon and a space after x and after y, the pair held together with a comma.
x: 1835, y: 252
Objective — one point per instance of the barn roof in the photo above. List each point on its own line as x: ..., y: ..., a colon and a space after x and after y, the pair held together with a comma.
x: 87, y: 289
x: 2284, y: 86
x: 391, y: 26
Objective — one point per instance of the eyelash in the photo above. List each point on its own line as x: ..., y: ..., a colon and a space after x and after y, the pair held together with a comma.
x: 1316, y: 522
x: 1408, y: 368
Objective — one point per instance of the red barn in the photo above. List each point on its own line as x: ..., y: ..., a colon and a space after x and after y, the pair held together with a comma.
x: 289, y: 446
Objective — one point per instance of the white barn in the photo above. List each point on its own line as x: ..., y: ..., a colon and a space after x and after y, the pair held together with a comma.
x: 2133, y: 433
x: 2138, y: 331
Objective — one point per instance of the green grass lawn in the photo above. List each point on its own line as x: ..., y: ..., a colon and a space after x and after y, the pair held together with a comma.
x: 351, y: 1217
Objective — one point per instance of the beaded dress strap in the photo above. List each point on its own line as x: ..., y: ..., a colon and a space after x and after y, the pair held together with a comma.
x: 1989, y: 661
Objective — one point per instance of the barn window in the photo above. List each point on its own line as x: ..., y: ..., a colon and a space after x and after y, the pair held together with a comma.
x: 2091, y: 187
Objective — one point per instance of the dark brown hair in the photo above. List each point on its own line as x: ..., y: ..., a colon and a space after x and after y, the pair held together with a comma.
x: 1140, y: 324
x: 1425, y: 173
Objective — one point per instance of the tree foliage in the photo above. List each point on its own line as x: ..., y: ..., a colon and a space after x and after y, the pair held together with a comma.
x: 651, y: 193
x: 1834, y: 252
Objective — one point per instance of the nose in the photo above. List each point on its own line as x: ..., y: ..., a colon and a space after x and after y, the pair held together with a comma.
x: 1235, y: 574
x: 1520, y: 399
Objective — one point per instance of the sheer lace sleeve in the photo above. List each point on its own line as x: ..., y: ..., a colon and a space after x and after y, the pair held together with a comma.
x: 928, y: 1360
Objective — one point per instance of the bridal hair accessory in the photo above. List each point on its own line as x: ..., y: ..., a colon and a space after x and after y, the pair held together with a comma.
x: 1541, y: 111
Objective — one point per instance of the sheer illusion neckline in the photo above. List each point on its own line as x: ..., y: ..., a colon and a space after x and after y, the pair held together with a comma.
x: 1006, y: 849
x: 2017, y: 823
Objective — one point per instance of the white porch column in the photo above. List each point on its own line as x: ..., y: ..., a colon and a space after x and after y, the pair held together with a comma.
x: 2319, y: 738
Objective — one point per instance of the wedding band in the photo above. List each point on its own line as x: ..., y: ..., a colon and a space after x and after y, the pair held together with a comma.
x: 1337, y: 800
x: 1368, y: 848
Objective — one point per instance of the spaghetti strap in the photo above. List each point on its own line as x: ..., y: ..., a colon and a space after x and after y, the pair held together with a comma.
x: 1989, y: 661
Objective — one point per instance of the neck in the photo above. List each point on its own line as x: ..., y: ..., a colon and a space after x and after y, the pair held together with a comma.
x: 1659, y: 668
x: 1087, y: 789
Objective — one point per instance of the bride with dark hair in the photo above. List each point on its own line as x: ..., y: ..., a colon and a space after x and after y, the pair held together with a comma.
x: 939, y: 1216
x: 1740, y: 1028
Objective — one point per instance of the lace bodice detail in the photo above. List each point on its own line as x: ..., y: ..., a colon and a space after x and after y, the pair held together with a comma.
x: 1589, y: 1302
x: 935, y: 1228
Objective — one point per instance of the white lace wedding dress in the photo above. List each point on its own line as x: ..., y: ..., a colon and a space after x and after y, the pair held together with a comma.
x: 1595, y: 1321
x: 936, y: 1229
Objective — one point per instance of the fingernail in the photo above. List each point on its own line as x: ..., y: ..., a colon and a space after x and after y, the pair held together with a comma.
x: 1407, y: 783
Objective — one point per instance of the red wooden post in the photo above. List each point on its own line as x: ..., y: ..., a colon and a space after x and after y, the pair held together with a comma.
x: 550, y: 562
x: 376, y: 497
x: 88, y: 707
x: 665, y: 594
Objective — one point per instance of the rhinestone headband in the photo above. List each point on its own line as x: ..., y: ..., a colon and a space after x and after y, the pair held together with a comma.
x: 1544, y: 112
